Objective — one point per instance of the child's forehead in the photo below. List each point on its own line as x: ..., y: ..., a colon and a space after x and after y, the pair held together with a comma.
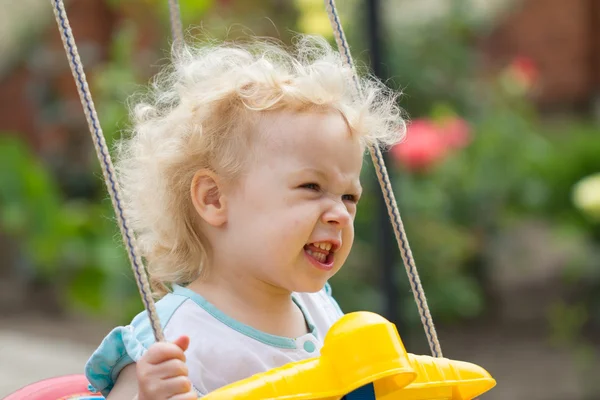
x: 295, y: 132
x: 316, y: 140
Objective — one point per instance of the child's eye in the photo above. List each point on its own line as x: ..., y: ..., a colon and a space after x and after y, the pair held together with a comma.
x: 350, y: 197
x: 311, y: 186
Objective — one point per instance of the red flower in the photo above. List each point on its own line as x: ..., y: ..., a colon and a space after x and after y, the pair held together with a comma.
x: 520, y: 76
x: 525, y: 70
x: 422, y: 148
x: 456, y: 132
x: 427, y: 143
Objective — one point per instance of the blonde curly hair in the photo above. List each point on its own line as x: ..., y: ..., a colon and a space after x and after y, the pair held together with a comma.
x: 199, y: 113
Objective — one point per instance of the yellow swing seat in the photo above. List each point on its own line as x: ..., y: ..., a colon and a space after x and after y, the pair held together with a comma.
x: 363, y: 352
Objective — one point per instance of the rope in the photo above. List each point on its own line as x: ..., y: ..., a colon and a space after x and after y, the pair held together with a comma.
x: 106, y: 164
x: 390, y: 200
x: 176, y: 27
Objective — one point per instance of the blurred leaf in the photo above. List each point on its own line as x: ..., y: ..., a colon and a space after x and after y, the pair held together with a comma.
x: 566, y: 322
x: 13, y: 218
x: 86, y: 289
x: 193, y: 10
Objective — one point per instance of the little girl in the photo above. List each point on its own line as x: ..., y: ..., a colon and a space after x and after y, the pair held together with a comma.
x: 241, y: 181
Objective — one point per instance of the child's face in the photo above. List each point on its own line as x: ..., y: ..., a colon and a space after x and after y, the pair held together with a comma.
x: 290, y: 217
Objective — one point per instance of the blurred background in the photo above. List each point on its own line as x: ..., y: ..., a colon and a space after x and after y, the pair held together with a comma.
x: 498, y: 182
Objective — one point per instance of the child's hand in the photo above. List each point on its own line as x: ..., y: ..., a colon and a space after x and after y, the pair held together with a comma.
x: 162, y: 373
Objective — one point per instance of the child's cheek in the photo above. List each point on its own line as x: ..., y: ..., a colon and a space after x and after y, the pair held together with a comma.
x: 348, y: 238
x: 293, y: 232
x: 295, y: 227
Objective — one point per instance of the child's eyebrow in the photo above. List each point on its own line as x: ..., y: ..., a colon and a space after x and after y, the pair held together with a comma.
x: 322, y: 174
x: 314, y: 171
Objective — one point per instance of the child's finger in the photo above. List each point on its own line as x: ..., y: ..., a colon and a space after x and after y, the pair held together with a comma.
x: 183, y: 342
x: 176, y: 385
x: 163, y: 351
x: 173, y: 368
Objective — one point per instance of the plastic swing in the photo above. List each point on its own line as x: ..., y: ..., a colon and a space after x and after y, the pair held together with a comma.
x: 363, y: 356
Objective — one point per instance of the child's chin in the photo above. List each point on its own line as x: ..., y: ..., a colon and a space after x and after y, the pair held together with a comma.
x: 310, y: 287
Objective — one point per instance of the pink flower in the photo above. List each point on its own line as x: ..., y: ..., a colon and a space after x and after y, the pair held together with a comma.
x: 525, y: 71
x: 456, y: 132
x: 428, y: 143
x: 521, y: 76
x: 422, y: 148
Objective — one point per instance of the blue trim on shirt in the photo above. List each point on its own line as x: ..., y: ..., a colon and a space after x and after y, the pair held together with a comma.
x: 266, y: 338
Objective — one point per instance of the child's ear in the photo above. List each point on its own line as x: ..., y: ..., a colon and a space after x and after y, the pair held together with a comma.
x: 208, y: 198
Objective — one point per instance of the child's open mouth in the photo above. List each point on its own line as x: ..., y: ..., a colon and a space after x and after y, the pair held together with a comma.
x: 320, y: 254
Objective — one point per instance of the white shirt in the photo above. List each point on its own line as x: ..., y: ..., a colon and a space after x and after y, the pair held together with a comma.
x: 222, y: 350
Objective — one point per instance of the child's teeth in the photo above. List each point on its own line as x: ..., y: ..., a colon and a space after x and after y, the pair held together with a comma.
x: 323, y: 245
x: 317, y: 255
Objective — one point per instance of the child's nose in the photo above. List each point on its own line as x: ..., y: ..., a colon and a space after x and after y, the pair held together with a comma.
x: 337, y: 215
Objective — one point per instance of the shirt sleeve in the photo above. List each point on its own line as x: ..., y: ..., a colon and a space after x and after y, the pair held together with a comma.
x: 125, y: 345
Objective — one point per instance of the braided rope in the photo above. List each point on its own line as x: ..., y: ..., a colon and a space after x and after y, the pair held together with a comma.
x: 106, y: 164
x: 390, y: 201
x: 176, y: 26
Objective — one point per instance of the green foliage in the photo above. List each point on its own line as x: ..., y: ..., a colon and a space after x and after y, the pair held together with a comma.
x: 71, y: 244
x: 191, y: 11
